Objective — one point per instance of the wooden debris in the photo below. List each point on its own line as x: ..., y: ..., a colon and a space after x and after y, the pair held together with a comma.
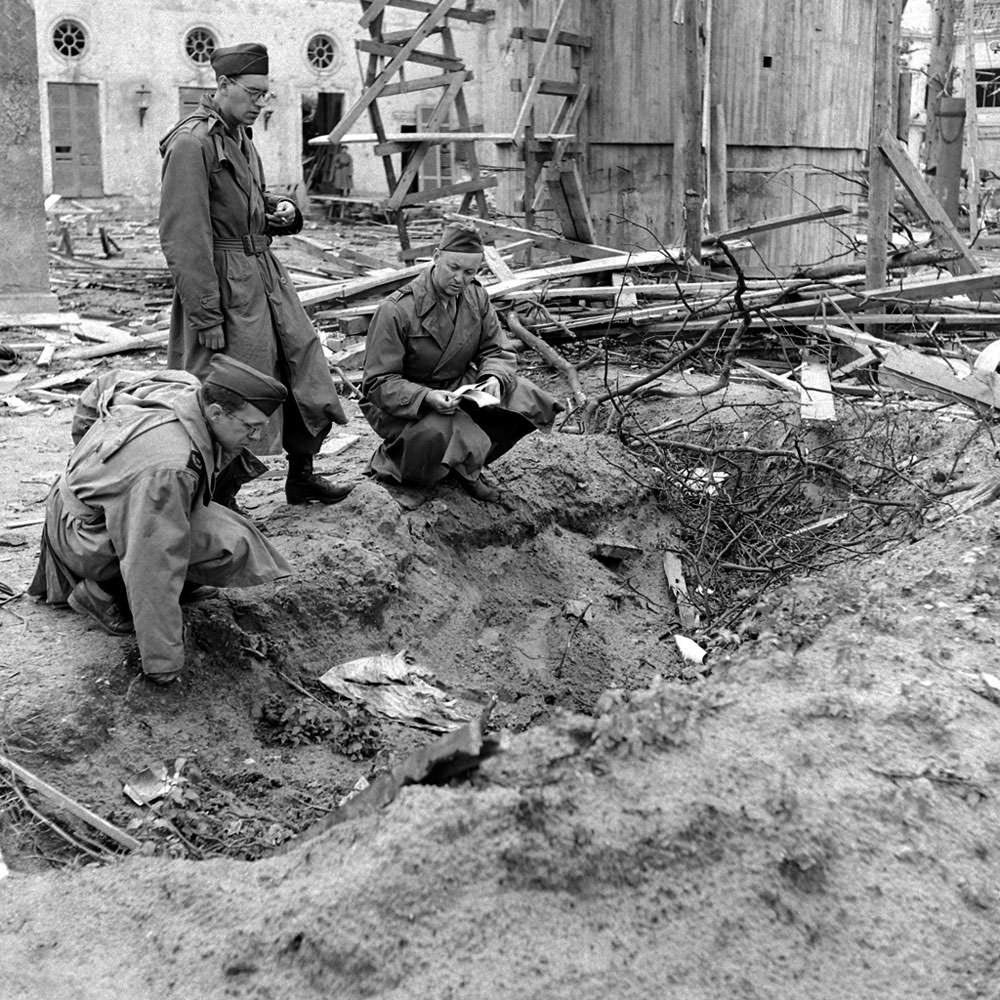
x: 70, y: 805
x: 673, y: 570
x: 816, y: 405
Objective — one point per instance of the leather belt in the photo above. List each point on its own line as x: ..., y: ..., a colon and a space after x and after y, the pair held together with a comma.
x: 250, y: 244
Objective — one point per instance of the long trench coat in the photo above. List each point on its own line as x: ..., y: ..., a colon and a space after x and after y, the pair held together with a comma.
x: 413, y: 346
x: 134, y: 503
x: 216, y: 239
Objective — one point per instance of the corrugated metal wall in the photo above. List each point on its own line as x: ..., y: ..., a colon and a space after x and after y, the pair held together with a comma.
x: 794, y: 79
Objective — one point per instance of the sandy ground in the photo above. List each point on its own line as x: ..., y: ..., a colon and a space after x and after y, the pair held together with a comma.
x: 816, y: 817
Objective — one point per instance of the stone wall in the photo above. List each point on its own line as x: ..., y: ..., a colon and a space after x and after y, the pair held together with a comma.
x: 24, y: 276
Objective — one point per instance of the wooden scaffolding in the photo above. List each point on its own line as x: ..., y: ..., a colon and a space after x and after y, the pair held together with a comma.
x: 388, y: 54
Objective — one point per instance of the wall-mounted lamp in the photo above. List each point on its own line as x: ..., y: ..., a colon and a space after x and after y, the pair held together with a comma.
x: 142, y: 96
x: 268, y: 109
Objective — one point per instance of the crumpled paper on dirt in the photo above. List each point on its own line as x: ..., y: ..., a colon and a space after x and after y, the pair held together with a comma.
x: 389, y: 685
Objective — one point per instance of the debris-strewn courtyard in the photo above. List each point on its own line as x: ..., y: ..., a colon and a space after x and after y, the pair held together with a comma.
x: 705, y: 704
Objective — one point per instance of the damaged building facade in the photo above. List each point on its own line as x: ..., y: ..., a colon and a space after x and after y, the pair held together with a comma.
x: 115, y: 77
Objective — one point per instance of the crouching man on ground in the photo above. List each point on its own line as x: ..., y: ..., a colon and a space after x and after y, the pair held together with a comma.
x: 428, y: 344
x: 131, y: 530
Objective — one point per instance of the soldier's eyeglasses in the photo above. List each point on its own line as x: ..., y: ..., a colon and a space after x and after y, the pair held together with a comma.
x: 253, y: 430
x: 255, y: 95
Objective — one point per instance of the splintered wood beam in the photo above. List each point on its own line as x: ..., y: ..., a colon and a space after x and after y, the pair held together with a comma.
x: 778, y: 222
x: 547, y: 50
x: 71, y: 806
x: 435, y: 16
x: 500, y: 268
x: 937, y: 378
x: 673, y: 571
x: 942, y: 227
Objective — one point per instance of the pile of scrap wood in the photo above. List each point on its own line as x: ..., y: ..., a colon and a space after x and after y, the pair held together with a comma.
x: 69, y: 342
x: 813, y: 332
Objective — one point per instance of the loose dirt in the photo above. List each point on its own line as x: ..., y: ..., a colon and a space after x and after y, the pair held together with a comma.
x: 813, y: 816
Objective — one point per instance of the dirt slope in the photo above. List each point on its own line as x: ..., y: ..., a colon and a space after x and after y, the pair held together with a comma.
x: 818, y: 818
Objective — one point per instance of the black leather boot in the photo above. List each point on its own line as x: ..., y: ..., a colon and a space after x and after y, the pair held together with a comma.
x: 304, y: 486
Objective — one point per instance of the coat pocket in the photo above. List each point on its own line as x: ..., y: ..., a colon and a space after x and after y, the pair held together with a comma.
x: 239, y: 277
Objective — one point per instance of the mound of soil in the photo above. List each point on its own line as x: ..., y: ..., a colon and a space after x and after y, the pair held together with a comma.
x: 815, y: 819
x: 812, y: 814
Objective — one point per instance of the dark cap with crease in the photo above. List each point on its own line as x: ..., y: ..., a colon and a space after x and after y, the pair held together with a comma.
x: 258, y: 389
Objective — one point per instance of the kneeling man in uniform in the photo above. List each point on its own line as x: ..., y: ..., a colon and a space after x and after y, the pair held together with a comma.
x: 131, y: 530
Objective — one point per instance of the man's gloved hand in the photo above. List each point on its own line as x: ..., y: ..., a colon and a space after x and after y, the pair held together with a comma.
x: 213, y: 338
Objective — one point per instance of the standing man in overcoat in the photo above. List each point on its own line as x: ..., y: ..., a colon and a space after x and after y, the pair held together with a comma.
x: 231, y: 293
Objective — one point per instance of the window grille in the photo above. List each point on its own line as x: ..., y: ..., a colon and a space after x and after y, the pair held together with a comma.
x: 199, y: 44
x: 321, y: 51
x: 69, y: 38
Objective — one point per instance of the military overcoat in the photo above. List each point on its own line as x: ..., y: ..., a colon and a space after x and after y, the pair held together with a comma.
x: 414, y: 346
x: 216, y: 238
x: 135, y: 502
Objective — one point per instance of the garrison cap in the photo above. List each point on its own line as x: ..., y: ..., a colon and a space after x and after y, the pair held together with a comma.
x: 461, y: 237
x: 258, y: 389
x: 235, y: 60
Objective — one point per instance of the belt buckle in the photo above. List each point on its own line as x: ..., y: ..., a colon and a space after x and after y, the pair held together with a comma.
x: 248, y: 246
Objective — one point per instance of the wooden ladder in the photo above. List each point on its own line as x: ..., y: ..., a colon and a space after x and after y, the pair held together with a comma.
x: 388, y: 54
x: 563, y: 183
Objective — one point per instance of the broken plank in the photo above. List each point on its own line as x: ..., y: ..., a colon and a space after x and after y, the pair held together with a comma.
x: 71, y: 806
x: 779, y: 222
x: 500, y: 268
x: 145, y: 342
x: 942, y: 227
x: 816, y: 394
x: 673, y: 570
x: 925, y: 291
x: 45, y: 358
x: 38, y: 320
x: 315, y: 248
x: 532, y: 277
x: 63, y: 378
x: 625, y: 297
x: 922, y: 375
x: 359, y: 286
x: 780, y: 381
x: 571, y: 248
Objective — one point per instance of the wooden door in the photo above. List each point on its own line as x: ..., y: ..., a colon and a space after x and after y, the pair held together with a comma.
x: 75, y: 140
